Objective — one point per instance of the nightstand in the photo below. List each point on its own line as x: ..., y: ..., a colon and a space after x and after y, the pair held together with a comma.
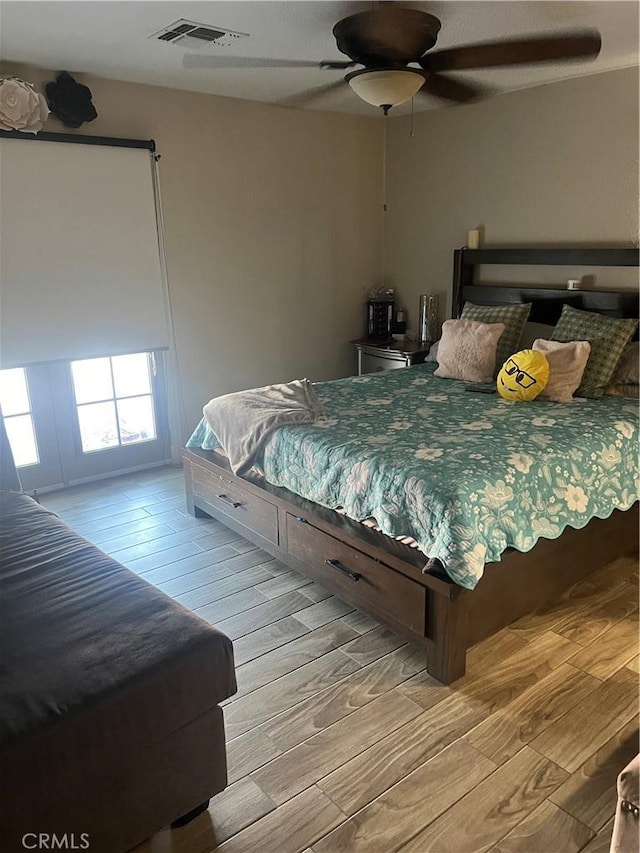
x: 377, y: 355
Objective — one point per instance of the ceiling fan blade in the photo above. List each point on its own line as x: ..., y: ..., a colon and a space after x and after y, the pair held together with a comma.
x: 207, y: 60
x: 577, y: 45
x: 301, y: 99
x: 462, y: 92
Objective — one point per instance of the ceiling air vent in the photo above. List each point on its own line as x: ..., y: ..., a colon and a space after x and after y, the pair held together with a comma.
x: 193, y: 36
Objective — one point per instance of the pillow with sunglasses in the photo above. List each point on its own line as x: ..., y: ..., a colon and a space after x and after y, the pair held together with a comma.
x: 523, y: 376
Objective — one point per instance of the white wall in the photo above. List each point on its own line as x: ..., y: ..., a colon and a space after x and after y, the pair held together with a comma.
x: 272, y: 219
x: 557, y: 164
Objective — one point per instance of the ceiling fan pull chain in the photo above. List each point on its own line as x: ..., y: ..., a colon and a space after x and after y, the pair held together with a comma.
x: 384, y: 164
x: 384, y: 201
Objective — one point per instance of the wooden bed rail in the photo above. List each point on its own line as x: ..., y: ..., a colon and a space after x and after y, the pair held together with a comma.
x: 434, y: 612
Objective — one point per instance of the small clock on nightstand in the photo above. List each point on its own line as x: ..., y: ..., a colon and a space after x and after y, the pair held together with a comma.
x: 377, y: 355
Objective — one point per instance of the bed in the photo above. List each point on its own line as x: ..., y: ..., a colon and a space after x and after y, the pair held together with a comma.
x: 444, y: 591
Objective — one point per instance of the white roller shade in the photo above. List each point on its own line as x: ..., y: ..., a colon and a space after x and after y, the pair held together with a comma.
x: 79, y: 262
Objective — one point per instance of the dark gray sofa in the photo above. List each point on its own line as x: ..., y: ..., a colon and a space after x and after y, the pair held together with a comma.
x: 110, y: 722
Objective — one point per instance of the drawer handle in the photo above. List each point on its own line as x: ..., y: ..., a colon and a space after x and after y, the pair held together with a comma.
x: 301, y: 519
x: 230, y: 501
x: 336, y: 564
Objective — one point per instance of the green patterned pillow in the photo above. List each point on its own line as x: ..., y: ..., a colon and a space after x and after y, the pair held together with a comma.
x: 513, y: 316
x: 608, y: 337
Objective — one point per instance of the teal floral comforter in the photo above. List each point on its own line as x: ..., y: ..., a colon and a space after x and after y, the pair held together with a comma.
x: 466, y: 475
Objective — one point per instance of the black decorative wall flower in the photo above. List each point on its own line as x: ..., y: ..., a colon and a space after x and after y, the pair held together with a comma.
x: 70, y: 101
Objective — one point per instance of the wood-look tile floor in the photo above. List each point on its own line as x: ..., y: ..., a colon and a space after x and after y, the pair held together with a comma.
x: 338, y: 740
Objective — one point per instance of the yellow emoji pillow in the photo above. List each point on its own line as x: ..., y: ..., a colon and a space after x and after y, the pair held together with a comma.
x: 523, y: 376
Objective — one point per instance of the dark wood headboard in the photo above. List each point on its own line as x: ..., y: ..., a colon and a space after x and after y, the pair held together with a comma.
x: 546, y: 302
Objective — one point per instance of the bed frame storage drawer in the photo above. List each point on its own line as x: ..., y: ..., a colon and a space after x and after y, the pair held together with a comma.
x: 238, y: 504
x: 355, y: 577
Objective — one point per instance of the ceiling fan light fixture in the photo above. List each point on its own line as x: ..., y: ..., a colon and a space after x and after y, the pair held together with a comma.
x: 386, y: 87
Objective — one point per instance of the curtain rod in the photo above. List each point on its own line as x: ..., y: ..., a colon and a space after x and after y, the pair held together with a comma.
x: 81, y: 139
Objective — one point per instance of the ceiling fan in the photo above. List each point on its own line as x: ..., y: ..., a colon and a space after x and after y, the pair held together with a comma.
x: 393, y: 46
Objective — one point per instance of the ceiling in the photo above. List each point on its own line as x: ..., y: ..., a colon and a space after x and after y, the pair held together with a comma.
x: 111, y: 39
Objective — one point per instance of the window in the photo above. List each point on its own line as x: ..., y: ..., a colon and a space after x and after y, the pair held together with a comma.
x: 59, y: 415
x: 114, y: 400
x: 18, y: 419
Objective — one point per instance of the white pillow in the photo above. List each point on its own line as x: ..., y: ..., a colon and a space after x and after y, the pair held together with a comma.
x: 467, y: 350
x: 566, y: 366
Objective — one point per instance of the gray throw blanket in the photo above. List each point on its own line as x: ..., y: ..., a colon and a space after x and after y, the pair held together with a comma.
x: 244, y: 420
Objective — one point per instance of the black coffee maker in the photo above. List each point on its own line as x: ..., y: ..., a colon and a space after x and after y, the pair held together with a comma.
x: 380, y: 316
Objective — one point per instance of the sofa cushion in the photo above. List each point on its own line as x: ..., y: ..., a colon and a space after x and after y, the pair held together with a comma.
x: 85, y: 640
